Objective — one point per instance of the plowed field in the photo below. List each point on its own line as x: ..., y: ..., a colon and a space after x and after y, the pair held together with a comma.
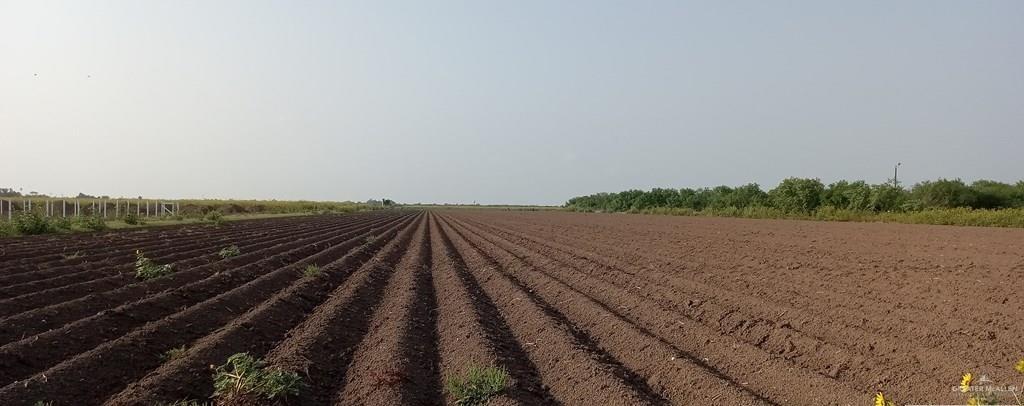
x: 579, y: 308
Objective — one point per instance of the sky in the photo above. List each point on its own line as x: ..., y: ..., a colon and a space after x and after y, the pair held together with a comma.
x: 514, y: 102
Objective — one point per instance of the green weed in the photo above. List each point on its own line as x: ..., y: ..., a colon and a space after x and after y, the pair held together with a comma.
x: 146, y: 269
x: 215, y: 217
x: 244, y: 375
x: 228, y: 252
x: 478, y: 385
x: 173, y: 353
x: 312, y: 271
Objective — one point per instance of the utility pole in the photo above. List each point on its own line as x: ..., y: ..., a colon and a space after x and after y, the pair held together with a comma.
x: 896, y: 174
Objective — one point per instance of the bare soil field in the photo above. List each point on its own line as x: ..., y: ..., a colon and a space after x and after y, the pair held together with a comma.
x: 579, y: 308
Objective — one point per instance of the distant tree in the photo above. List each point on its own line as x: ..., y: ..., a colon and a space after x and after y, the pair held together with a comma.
x: 847, y: 195
x: 797, y: 195
x: 9, y: 192
x: 944, y: 194
x: 886, y: 197
x: 993, y: 195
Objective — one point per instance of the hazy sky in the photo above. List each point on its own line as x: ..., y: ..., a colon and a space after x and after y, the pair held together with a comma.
x: 502, y: 102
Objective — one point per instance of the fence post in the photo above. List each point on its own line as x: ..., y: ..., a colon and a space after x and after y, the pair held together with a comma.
x: 63, y: 208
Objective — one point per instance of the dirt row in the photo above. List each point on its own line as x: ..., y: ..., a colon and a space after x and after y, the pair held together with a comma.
x: 578, y: 309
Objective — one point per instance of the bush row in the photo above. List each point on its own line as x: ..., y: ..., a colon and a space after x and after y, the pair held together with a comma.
x: 942, y: 201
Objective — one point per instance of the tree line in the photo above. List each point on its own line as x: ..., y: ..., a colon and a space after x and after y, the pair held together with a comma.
x: 807, y: 195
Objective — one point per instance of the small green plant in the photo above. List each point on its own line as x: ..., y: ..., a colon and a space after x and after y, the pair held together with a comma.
x: 62, y: 223
x: 215, y: 217
x: 228, y: 252
x: 132, y: 219
x: 244, y: 375
x: 173, y: 353
x: 312, y: 271
x: 42, y: 403
x: 478, y: 385
x: 146, y: 269
x: 92, y: 223
x: 32, y: 223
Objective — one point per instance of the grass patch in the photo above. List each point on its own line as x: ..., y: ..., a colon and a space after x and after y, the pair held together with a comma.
x: 228, y: 252
x: 244, y: 375
x: 146, y: 269
x: 477, y: 385
x: 312, y: 271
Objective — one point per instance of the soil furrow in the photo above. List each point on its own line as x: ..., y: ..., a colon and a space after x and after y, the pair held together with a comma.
x: 264, y: 327
x: 138, y: 352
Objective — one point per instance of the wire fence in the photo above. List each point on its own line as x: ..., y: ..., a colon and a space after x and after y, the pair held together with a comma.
x: 105, y: 208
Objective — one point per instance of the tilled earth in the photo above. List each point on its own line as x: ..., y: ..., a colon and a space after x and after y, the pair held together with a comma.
x: 579, y: 308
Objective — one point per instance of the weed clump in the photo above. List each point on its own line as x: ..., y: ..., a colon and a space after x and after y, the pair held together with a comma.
x: 312, y: 271
x: 478, y: 385
x: 244, y: 375
x: 173, y: 353
x: 146, y: 269
x: 228, y: 252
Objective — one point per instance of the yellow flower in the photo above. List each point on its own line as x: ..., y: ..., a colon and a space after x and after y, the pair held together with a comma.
x: 1020, y: 366
x: 880, y: 400
x: 965, y: 382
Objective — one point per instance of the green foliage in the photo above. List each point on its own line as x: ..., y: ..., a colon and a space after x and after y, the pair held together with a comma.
x: 478, y: 385
x: 32, y: 223
x: 173, y: 353
x: 797, y: 195
x: 943, y: 194
x: 146, y: 269
x: 312, y: 271
x: 847, y: 195
x: 215, y: 217
x: 92, y: 223
x: 132, y: 219
x: 886, y: 197
x: 937, y: 202
x: 244, y: 375
x: 228, y: 252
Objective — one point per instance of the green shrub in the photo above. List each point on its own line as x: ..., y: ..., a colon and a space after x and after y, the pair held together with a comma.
x: 215, y: 217
x: 312, y: 271
x: 943, y: 194
x: 228, y: 252
x: 92, y: 223
x: 132, y: 219
x: 478, y: 385
x: 796, y: 195
x: 146, y: 269
x: 32, y: 223
x: 244, y: 375
x: 62, y: 223
x: 7, y: 229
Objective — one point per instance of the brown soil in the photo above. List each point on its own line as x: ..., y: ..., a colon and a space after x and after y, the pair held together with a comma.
x: 578, y: 308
